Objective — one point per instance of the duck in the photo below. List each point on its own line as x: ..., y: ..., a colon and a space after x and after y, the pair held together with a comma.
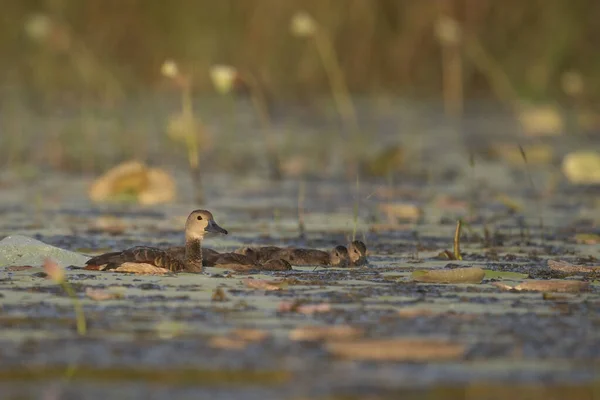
x: 338, y: 257
x: 357, y: 252
x: 209, y: 256
x: 259, y: 254
x: 198, y: 223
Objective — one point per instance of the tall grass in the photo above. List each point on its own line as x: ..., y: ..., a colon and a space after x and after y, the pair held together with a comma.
x: 386, y: 45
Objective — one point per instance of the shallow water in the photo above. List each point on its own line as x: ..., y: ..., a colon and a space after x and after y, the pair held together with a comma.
x: 157, y: 338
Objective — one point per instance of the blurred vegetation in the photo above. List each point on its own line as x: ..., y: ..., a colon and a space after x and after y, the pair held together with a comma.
x: 112, y: 47
x: 73, y: 74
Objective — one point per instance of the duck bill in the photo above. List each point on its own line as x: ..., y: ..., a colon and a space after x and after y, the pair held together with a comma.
x: 213, y: 227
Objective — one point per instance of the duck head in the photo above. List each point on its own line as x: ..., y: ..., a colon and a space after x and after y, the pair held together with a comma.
x: 199, y: 223
x: 357, y: 252
x: 339, y: 256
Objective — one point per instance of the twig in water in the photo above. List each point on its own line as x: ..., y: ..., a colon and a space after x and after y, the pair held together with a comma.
x: 301, y: 226
x: 356, y: 207
x: 457, y: 255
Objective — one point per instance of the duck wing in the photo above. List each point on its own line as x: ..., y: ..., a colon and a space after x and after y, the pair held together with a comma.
x: 208, y: 255
x: 139, y: 254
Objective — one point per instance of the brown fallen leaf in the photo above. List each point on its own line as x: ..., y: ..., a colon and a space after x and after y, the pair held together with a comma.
x: 288, y: 306
x: 401, y: 212
x: 401, y: 349
x: 455, y: 275
x: 315, y: 333
x: 250, y: 335
x: 565, y: 266
x: 227, y: 343
x: 238, y: 339
x: 263, y: 284
x: 416, y: 312
x: 18, y: 267
x: 553, y: 285
x: 101, y: 295
x: 141, y: 268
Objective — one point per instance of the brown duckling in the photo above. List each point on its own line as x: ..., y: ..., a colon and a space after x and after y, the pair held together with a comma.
x: 338, y: 257
x: 259, y: 254
x: 358, y: 253
x: 198, y: 223
x: 241, y: 262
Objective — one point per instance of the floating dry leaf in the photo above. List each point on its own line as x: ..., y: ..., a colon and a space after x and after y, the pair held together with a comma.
x: 587, y: 238
x: 134, y: 181
x: 401, y: 211
x: 238, y: 339
x: 251, y: 335
x: 540, y: 120
x: 456, y: 275
x: 18, y: 267
x: 554, y: 285
x: 398, y: 350
x: 314, y: 333
x: 299, y: 307
x: 565, y: 266
x: 539, y: 154
x: 141, y: 268
x: 416, y: 312
x: 582, y: 167
x: 263, y: 284
x: 101, y: 295
x: 227, y: 343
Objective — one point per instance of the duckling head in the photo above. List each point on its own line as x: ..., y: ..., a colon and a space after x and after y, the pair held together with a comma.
x: 248, y: 252
x: 339, y: 256
x: 199, y: 222
x: 358, y: 253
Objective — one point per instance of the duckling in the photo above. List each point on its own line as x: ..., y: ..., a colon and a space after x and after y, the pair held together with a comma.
x: 259, y: 254
x: 198, y: 223
x: 358, y: 253
x: 338, y: 257
x: 241, y: 263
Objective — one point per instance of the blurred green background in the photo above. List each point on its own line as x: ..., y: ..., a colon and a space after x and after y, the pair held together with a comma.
x: 94, y: 62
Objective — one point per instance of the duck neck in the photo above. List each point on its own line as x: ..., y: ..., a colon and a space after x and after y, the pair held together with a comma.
x: 193, y: 253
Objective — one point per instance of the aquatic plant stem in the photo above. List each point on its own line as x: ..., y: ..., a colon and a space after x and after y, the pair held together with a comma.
x: 537, y: 197
x: 301, y: 225
x: 79, y: 314
x: 191, y: 140
x: 457, y: 255
x: 356, y: 207
x: 339, y: 90
x: 260, y: 105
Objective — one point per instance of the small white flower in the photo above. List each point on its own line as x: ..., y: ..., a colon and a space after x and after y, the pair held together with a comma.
x: 169, y: 69
x: 222, y: 77
x: 38, y: 26
x: 572, y: 83
x: 448, y: 30
x: 303, y: 24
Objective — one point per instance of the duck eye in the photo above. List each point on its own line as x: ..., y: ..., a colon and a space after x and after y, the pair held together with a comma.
x: 199, y: 218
